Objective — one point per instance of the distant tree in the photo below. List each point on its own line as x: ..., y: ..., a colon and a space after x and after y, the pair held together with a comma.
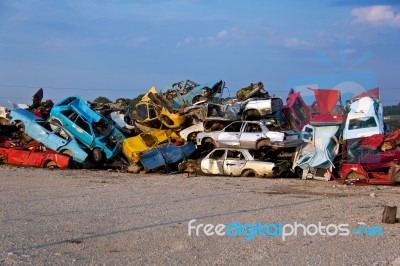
x: 102, y: 99
x: 136, y: 100
x: 391, y: 110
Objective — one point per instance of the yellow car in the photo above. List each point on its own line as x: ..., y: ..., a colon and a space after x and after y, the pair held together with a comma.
x: 134, y: 146
x: 153, y: 111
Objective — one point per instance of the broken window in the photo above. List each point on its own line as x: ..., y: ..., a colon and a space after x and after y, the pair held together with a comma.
x: 70, y: 114
x: 217, y: 154
x: 234, y: 154
x: 362, y: 122
x: 82, y: 124
x: 234, y: 127
x: 61, y: 133
x: 45, y: 125
x: 253, y: 128
x: 101, y: 128
x: 141, y: 110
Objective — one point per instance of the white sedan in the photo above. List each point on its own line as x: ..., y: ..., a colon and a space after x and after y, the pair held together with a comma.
x: 239, y: 162
x: 249, y: 135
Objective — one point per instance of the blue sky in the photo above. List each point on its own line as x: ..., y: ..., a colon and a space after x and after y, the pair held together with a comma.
x: 120, y: 48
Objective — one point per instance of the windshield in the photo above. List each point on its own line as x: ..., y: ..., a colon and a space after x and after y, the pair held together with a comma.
x: 101, y: 128
x: 363, y: 122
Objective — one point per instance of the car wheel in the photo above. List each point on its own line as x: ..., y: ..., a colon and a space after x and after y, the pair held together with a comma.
x: 67, y: 152
x: 97, y: 155
x: 355, y: 176
x: 50, y: 164
x: 192, y: 137
x: 249, y: 173
x: 21, y: 126
x: 252, y: 115
x: 208, y: 144
x: 198, y: 98
x: 263, y: 143
x: 3, y: 159
x: 56, y: 121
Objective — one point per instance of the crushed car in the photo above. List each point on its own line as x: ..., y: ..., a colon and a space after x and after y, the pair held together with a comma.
x: 254, y: 90
x: 364, y: 117
x: 239, y: 162
x: 316, y: 155
x: 88, y: 127
x: 327, y: 109
x: 296, y: 111
x: 32, y: 154
x: 373, y: 160
x: 134, y: 146
x: 209, y: 117
x: 51, y: 135
x: 249, y: 135
x: 188, y: 92
x: 167, y: 156
x: 153, y: 111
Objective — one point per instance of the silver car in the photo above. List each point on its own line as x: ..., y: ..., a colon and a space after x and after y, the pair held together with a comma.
x: 249, y: 135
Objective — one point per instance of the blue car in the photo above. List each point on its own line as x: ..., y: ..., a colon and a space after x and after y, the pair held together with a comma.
x: 90, y: 128
x: 189, y: 92
x: 163, y: 155
x: 49, y: 134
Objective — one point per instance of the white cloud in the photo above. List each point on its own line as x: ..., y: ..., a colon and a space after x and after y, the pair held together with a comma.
x: 222, y: 34
x: 225, y: 37
x: 188, y: 40
x: 377, y: 15
x: 291, y: 42
x: 295, y: 42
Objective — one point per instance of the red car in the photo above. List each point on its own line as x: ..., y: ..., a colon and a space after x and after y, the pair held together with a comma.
x: 32, y: 154
x: 327, y: 108
x: 373, y: 160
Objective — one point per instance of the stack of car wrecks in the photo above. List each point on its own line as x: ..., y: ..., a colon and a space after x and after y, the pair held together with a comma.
x: 186, y: 127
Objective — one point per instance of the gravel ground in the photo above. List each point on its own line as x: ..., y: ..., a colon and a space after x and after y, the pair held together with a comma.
x: 58, y: 217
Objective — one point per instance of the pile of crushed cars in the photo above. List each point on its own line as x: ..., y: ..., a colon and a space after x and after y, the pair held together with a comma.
x: 185, y: 127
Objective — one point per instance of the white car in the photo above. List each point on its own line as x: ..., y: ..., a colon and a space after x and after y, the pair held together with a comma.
x: 238, y: 162
x: 249, y: 135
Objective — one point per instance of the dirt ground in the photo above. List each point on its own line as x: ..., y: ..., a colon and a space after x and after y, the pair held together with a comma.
x: 81, y: 217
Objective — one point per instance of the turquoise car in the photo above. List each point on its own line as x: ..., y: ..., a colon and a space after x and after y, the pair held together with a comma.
x: 51, y: 135
x: 90, y: 128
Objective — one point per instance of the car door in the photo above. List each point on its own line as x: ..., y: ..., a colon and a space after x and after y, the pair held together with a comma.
x: 252, y: 132
x: 214, y: 163
x: 234, y: 162
x: 17, y: 156
x: 54, y: 141
x: 230, y: 135
x: 83, y: 132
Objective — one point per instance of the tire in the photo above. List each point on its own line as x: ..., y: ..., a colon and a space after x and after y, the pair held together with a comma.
x: 251, y: 115
x: 97, y: 155
x: 355, y: 176
x: 67, y: 152
x: 192, y: 137
x: 57, y: 121
x: 263, y: 143
x: 50, y: 164
x: 248, y: 173
x: 20, y: 125
x: 208, y: 144
x: 3, y: 159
